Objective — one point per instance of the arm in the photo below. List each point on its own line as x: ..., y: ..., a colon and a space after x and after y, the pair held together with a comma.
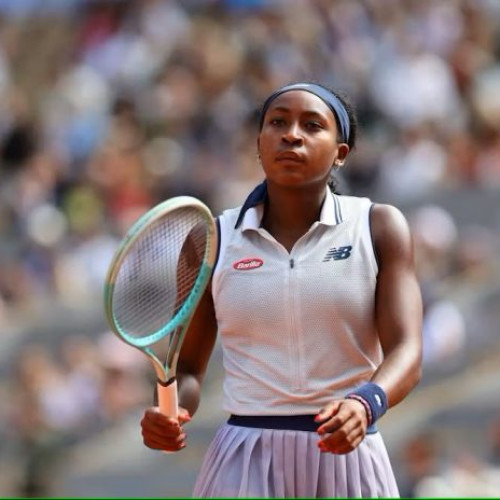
x: 398, y: 319
x: 195, y: 353
x: 163, y: 433
x: 398, y: 306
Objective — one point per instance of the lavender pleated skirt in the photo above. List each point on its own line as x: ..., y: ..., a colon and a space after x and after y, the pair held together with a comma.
x: 248, y: 462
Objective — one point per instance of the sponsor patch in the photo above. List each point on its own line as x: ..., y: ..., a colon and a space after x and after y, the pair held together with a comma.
x: 247, y: 264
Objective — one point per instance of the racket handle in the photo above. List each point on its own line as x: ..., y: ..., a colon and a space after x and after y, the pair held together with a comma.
x: 168, y: 399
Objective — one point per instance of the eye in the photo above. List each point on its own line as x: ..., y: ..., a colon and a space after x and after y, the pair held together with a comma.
x: 276, y: 122
x: 313, y: 125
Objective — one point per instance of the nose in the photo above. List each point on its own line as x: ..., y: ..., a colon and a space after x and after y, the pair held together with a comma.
x: 292, y: 135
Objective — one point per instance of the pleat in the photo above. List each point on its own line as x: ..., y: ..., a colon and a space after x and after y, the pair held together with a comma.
x: 246, y: 462
x: 377, y: 479
x: 367, y: 480
x: 325, y: 479
x: 354, y: 474
x: 382, y: 466
x: 303, y: 468
x: 313, y: 458
x: 289, y: 461
x: 249, y: 471
x: 340, y: 471
x: 224, y: 446
x: 266, y: 465
x: 278, y: 463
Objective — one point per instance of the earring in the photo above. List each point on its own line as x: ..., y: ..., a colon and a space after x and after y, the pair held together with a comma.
x: 337, y: 164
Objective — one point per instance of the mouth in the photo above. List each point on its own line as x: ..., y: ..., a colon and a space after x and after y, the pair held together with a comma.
x: 289, y: 156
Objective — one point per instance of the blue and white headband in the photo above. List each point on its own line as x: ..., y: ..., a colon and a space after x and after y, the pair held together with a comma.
x: 330, y: 99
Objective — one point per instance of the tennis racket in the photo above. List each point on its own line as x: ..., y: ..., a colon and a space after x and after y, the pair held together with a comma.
x: 155, y: 281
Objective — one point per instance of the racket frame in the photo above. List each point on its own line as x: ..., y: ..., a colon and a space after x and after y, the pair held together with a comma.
x: 178, y: 325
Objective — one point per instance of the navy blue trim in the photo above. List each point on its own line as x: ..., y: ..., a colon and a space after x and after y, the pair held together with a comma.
x: 282, y: 422
x: 338, y: 210
x: 335, y: 208
x: 258, y: 195
x: 371, y: 235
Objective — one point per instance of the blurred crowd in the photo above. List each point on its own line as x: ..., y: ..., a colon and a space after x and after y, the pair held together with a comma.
x: 60, y: 397
x: 432, y: 471
x: 109, y: 106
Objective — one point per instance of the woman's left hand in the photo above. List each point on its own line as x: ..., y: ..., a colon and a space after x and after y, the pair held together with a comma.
x: 343, y: 426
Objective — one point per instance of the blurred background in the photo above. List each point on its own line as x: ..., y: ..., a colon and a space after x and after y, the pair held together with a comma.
x: 107, y: 107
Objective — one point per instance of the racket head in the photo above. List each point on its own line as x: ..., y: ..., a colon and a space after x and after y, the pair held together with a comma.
x: 149, y: 290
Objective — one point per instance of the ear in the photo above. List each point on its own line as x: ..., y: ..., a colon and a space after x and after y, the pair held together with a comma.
x: 342, y: 153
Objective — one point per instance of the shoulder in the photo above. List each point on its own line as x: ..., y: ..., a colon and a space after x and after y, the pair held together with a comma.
x: 391, y: 232
x: 388, y: 219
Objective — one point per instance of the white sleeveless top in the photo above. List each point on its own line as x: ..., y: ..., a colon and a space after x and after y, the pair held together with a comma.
x: 297, y: 329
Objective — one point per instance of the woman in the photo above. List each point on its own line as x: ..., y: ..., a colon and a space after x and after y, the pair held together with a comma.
x: 319, y: 311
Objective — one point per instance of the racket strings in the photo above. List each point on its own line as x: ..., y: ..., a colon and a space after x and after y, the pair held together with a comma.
x: 190, y: 261
x: 158, y: 273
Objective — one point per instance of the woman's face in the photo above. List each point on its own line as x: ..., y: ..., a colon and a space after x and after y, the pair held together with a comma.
x: 298, y: 141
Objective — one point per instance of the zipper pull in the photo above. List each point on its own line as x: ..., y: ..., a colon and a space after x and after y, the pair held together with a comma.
x: 291, y: 263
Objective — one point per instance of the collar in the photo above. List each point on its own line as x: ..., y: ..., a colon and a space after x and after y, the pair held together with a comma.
x: 251, y: 212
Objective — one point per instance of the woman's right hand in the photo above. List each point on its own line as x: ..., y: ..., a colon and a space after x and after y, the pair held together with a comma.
x: 160, y: 432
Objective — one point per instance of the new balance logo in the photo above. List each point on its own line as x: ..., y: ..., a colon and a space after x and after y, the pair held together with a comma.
x: 339, y: 253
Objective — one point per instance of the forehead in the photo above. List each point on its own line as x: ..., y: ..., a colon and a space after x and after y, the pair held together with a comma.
x: 301, y: 101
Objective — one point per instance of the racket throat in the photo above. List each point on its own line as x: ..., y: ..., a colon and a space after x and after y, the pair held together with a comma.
x: 173, y: 352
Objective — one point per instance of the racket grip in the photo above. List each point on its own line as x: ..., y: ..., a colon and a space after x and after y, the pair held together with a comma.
x: 168, y: 399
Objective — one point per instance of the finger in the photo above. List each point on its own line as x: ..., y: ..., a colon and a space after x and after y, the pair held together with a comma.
x: 331, y: 425
x: 162, y: 433
x: 327, y: 412
x: 342, y: 441
x: 347, y: 447
x: 350, y: 411
x: 341, y: 435
x: 184, y: 416
x: 163, y: 428
x: 166, y: 445
x: 162, y: 440
x: 155, y: 416
x: 358, y: 408
x: 335, y: 422
x: 339, y: 450
x: 177, y: 444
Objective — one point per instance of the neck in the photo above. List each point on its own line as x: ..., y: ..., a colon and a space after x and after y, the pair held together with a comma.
x: 292, y: 210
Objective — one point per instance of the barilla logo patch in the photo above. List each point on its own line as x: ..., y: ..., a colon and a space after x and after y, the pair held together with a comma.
x: 247, y: 264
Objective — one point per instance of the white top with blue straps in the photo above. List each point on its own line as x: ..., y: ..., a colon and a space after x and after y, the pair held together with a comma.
x: 297, y: 329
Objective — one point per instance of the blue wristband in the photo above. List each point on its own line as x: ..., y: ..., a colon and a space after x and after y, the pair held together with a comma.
x: 374, y: 396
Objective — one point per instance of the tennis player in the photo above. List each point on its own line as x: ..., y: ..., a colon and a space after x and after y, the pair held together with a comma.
x: 319, y: 312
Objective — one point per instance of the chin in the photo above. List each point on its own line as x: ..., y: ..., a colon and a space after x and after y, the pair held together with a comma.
x: 290, y: 181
